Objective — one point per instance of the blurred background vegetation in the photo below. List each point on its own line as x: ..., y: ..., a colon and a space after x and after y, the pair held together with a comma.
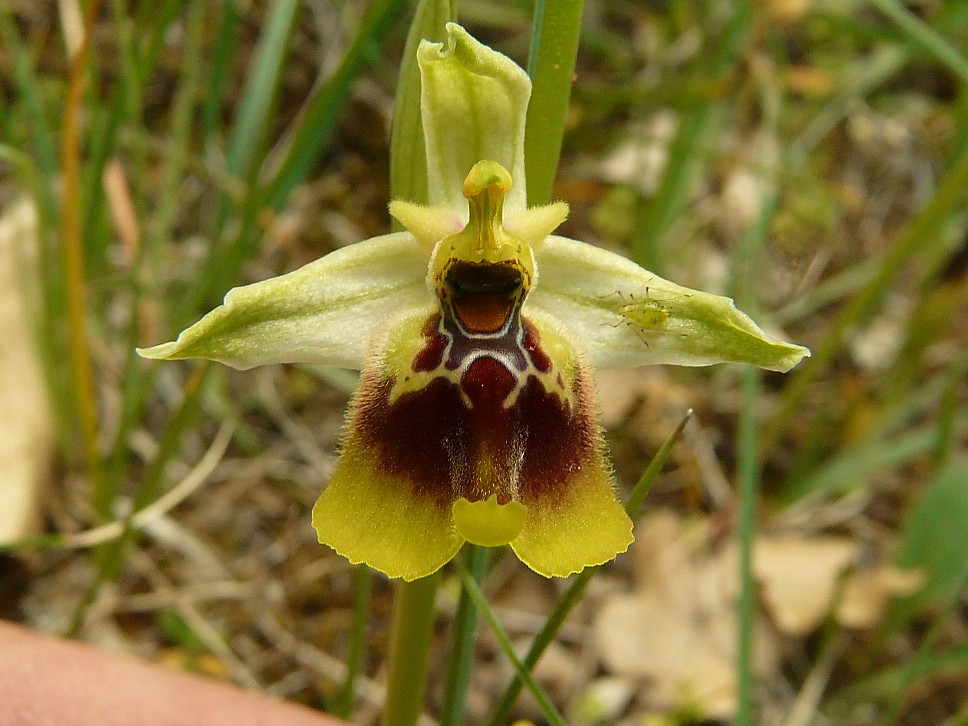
x: 808, y: 157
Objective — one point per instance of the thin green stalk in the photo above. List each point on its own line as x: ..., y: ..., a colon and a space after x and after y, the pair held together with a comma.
x: 633, y: 506
x: 346, y: 700
x: 413, y: 626
x: 137, y: 379
x: 861, y: 462
x: 924, y: 36
x: 462, y: 642
x: 262, y: 87
x: 180, y: 140
x: 307, y: 137
x: 73, y: 250
x: 38, y: 141
x: 120, y: 108
x: 225, y: 46
x: 28, y: 90
x: 571, y: 596
x: 748, y: 478
x: 524, y: 673
x: 948, y: 409
x: 892, y: 680
x: 41, y: 302
x: 551, y: 65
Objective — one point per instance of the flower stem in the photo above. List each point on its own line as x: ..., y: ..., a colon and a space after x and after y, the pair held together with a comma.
x: 551, y: 65
x: 361, y: 609
x: 748, y: 480
x: 462, y: 647
x: 413, y: 626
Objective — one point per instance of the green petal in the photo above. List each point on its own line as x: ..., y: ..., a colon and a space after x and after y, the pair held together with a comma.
x: 626, y: 316
x: 474, y: 101
x: 324, y: 312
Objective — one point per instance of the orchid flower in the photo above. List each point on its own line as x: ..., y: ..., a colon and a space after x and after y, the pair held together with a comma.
x: 476, y: 330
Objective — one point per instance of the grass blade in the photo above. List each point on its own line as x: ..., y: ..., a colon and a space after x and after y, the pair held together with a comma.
x: 346, y: 699
x: 462, y: 642
x: 318, y: 119
x: 551, y: 65
x: 924, y: 36
x: 523, y: 671
x: 924, y: 226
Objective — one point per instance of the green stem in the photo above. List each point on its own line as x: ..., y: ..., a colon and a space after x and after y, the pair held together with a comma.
x: 748, y: 475
x: 924, y: 36
x: 462, y: 646
x: 354, y: 660
x: 551, y: 65
x: 413, y: 626
x: 573, y: 594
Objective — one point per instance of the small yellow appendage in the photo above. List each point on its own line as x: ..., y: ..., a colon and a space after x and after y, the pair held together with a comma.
x: 488, y: 523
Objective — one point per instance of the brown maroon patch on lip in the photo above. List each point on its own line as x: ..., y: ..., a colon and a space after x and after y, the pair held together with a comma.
x: 561, y: 438
x: 432, y: 354
x: 432, y: 438
x: 422, y: 436
x: 487, y: 383
x: 483, y: 312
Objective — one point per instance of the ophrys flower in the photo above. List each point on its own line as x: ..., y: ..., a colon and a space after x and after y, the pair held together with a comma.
x: 475, y: 331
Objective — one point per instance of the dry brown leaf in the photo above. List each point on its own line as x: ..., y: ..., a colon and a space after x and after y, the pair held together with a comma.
x: 799, y: 577
x: 866, y: 594
x: 641, y: 636
x: 26, y: 427
x: 677, y: 632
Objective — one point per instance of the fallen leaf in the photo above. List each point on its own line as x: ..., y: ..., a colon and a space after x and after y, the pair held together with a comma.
x: 867, y: 593
x: 799, y: 576
x: 677, y: 631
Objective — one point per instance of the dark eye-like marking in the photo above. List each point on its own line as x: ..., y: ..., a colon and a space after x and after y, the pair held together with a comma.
x: 466, y: 279
x: 484, y: 296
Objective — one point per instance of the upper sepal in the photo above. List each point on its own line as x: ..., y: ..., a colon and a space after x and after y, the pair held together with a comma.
x: 474, y: 101
x: 627, y: 316
x: 323, y: 313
